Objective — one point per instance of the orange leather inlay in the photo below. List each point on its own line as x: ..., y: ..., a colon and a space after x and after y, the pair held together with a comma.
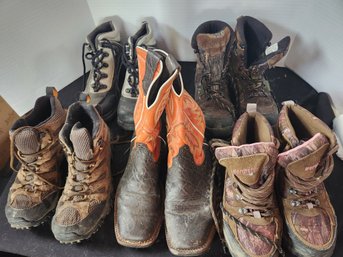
x: 147, y: 119
x: 186, y: 126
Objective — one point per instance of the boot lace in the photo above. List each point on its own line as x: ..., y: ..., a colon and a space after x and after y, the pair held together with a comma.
x: 79, y: 178
x: 305, y: 191
x: 97, y: 60
x: 255, y: 87
x: 129, y: 59
x: 30, y: 166
x: 214, y: 90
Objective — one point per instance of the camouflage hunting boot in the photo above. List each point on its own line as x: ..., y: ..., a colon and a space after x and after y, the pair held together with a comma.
x: 251, y: 56
x: 86, y: 198
x: 189, y: 224
x: 138, y: 207
x: 212, y: 42
x: 102, y: 85
x: 34, y: 142
x: 311, y: 223
x: 252, y: 224
x: 129, y: 93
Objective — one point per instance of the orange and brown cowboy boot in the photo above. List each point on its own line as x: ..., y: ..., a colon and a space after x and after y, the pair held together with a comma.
x: 189, y: 224
x: 138, y: 207
x: 307, y: 160
x: 252, y: 224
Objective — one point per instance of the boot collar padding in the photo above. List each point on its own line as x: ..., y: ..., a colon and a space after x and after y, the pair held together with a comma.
x: 296, y: 124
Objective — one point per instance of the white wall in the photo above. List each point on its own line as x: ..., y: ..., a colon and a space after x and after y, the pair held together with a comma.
x: 315, y: 26
x: 40, y: 46
x: 41, y: 39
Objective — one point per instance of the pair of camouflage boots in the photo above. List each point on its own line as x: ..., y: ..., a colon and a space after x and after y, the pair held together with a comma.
x: 273, y: 198
x: 108, y: 56
x: 40, y: 141
x: 230, y: 72
x: 146, y: 192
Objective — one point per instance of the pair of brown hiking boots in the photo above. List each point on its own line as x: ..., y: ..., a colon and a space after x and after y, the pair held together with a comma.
x: 230, y: 72
x: 144, y: 196
x: 40, y: 141
x: 271, y: 196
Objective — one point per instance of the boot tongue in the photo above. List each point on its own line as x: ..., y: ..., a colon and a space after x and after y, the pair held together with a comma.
x: 82, y: 142
x: 272, y: 54
x: 303, y: 160
x: 27, y: 141
x: 105, y: 30
x: 215, y: 43
x: 248, y: 162
x: 248, y: 169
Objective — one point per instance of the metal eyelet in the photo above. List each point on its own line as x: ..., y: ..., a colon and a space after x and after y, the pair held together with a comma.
x: 295, y: 203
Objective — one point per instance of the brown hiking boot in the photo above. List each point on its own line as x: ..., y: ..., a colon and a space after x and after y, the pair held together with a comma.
x: 252, y: 224
x: 212, y: 42
x: 249, y: 59
x: 34, y: 142
x: 189, y: 224
x: 85, y: 200
x: 311, y: 223
x: 138, y: 208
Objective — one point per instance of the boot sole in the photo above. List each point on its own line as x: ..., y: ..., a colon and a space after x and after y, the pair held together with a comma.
x: 126, y: 125
x: 135, y: 244
x: 233, y: 246
x: 191, y: 251
x: 95, y: 228
x: 21, y: 223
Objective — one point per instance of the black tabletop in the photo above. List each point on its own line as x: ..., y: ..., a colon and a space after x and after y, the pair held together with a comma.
x: 41, y: 242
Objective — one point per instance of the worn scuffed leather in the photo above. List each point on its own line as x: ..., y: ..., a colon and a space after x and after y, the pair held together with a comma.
x: 138, y: 204
x: 189, y: 224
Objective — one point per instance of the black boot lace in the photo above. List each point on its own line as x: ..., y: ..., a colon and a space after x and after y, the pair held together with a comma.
x: 97, y: 60
x: 129, y: 59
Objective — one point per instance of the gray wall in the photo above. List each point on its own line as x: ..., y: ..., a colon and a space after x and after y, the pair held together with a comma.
x: 40, y: 46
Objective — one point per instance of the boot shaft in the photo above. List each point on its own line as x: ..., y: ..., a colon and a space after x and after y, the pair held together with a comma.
x: 104, y: 50
x: 253, y: 151
x: 212, y: 42
x: 252, y: 52
x: 185, y: 123
x: 143, y: 37
x: 157, y: 70
x: 309, y: 145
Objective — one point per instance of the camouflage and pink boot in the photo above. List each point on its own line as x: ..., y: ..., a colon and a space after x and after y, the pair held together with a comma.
x: 311, y: 223
x: 252, y: 224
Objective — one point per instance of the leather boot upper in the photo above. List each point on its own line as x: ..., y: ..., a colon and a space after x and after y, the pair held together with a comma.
x: 34, y: 140
x: 250, y: 57
x: 85, y: 200
x: 138, y: 204
x: 249, y: 198
x: 304, y: 165
x: 212, y: 42
x: 189, y: 225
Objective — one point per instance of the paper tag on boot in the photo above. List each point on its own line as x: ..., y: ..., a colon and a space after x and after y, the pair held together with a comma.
x: 251, y: 107
x: 271, y: 49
